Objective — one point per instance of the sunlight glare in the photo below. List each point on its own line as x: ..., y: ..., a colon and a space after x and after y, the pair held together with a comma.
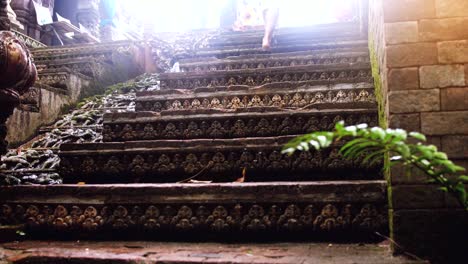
x: 183, y: 15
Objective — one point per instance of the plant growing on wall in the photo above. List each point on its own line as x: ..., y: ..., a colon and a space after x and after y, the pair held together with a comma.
x: 372, y: 144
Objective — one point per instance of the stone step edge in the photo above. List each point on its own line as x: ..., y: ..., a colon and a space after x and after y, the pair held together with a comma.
x: 359, y: 191
x: 290, y: 30
x: 302, y: 55
x: 294, y: 39
x: 148, y: 116
x: 254, y: 67
x: 279, y: 55
x: 344, y: 29
x: 179, y: 94
x: 145, y: 146
x: 275, y: 70
x: 277, y: 49
x: 131, y: 252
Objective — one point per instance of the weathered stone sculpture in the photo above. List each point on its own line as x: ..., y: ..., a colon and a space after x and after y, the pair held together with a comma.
x: 4, y: 20
x: 17, y: 74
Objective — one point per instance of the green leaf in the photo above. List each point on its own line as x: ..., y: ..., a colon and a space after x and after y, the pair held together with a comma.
x: 374, y: 155
x: 418, y: 136
x: 431, y: 181
x: 440, y: 155
x: 358, y: 148
x: 377, y: 133
x: 370, y: 145
x: 304, y: 146
x: 463, y: 178
x: 288, y: 151
x: 362, y: 126
x: 352, y: 130
x: 314, y: 144
x: 460, y: 189
x: 322, y: 140
x: 444, y: 189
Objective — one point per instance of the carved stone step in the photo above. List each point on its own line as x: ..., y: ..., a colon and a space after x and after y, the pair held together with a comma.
x: 300, y: 75
x: 328, y: 57
x: 269, y: 55
x: 235, y: 124
x: 276, y: 95
x: 280, y: 43
x: 338, y: 43
x: 317, y: 210
x: 64, y: 79
x: 291, y: 34
x: 158, y: 252
x: 87, y: 66
x: 219, y: 160
x: 96, y: 51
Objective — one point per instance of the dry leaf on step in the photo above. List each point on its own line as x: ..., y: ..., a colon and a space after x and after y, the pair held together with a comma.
x: 242, y: 179
x: 195, y: 181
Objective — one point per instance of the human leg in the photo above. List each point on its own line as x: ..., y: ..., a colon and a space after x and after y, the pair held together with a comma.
x: 270, y: 16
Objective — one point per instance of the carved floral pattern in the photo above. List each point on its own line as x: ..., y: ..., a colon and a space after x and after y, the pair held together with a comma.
x: 57, y: 80
x: 271, y: 63
x: 207, y: 217
x: 222, y: 165
x: 264, y: 78
x: 280, y: 100
x: 232, y: 127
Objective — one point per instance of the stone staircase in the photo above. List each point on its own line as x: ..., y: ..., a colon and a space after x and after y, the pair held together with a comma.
x: 200, y: 158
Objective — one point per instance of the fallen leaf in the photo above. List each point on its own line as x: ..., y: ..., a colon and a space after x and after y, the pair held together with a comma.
x: 242, y: 179
x: 195, y: 181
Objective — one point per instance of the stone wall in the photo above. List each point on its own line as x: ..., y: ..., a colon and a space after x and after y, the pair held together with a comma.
x: 425, y: 69
x: 23, y: 124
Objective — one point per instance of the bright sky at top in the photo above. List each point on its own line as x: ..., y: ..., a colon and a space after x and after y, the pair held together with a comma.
x: 181, y: 15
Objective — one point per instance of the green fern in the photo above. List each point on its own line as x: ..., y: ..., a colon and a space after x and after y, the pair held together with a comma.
x: 372, y: 144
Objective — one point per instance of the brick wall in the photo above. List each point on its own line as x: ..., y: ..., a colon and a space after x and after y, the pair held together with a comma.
x: 425, y: 87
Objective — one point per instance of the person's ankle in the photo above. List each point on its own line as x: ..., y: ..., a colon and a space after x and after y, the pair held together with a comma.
x: 266, y: 43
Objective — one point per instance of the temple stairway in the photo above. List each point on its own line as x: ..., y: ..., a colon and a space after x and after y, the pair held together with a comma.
x: 200, y: 158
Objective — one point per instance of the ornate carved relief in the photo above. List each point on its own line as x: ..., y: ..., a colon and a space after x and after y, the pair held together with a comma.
x: 56, y: 79
x: 261, y: 78
x: 231, y: 126
x: 313, y: 218
x: 226, y: 164
x: 31, y: 100
x: 279, y: 100
x: 17, y: 75
x: 90, y: 68
x: 271, y: 63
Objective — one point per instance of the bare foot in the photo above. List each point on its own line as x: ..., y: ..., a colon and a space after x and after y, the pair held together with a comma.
x: 266, y: 43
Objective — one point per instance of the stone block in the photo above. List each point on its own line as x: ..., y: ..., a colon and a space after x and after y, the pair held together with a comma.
x: 401, y: 175
x: 434, y: 140
x: 414, y: 101
x: 440, y: 76
x: 417, y: 196
x: 401, y: 32
x: 442, y: 231
x: 443, y: 29
x: 453, y: 51
x: 444, y: 123
x: 451, y: 8
x: 409, y: 122
x: 456, y: 146
x: 408, y: 55
x: 408, y: 10
x: 454, y: 98
x: 466, y: 74
x: 452, y: 201
x: 403, y: 79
